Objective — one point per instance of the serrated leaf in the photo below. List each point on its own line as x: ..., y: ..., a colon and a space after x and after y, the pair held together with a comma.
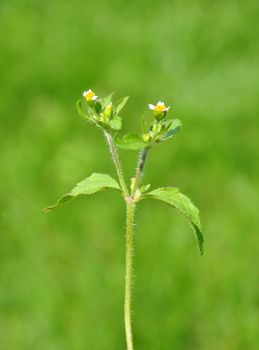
x: 115, y: 123
x: 92, y: 184
x: 173, y: 129
x: 119, y: 105
x: 131, y: 142
x: 184, y: 205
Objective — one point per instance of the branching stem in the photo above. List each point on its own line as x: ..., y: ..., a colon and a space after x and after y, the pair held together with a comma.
x: 131, y: 205
x: 117, y: 163
x: 140, y: 169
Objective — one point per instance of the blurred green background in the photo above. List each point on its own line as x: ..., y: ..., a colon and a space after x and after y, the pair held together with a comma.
x: 61, y: 275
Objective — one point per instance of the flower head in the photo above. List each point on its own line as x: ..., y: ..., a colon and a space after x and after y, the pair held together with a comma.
x: 160, y: 107
x: 90, y: 96
x: 159, y: 110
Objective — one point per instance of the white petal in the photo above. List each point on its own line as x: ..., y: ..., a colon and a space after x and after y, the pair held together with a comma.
x: 94, y: 98
x: 84, y: 93
x: 150, y: 106
x: 167, y: 108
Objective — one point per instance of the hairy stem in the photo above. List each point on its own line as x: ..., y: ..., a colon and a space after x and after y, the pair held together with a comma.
x: 128, y: 273
x: 140, y: 169
x: 117, y: 163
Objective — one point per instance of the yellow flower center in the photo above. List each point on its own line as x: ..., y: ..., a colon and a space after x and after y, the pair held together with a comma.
x: 160, y: 107
x: 90, y: 95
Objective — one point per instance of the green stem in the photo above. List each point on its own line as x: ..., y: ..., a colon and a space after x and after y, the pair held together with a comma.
x: 117, y: 163
x: 128, y: 273
x: 140, y: 169
x: 130, y: 202
x: 129, y: 247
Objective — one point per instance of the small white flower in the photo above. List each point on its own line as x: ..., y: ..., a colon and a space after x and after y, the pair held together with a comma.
x: 90, y: 95
x: 160, y: 107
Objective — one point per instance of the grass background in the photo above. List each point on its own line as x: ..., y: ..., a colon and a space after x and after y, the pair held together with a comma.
x: 61, y: 275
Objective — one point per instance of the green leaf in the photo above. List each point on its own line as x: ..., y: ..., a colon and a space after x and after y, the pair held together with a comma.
x: 144, y: 188
x: 120, y: 104
x: 98, y: 107
x: 92, y: 184
x: 106, y: 100
x: 81, y: 112
x: 144, y: 124
x: 184, y: 205
x: 115, y: 123
x: 173, y: 128
x: 131, y: 142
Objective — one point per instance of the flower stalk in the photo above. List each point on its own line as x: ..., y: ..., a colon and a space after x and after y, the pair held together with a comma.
x: 117, y: 163
x: 140, y: 169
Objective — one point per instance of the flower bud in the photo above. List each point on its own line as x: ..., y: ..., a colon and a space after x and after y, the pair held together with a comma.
x: 146, y: 137
x: 108, y: 111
